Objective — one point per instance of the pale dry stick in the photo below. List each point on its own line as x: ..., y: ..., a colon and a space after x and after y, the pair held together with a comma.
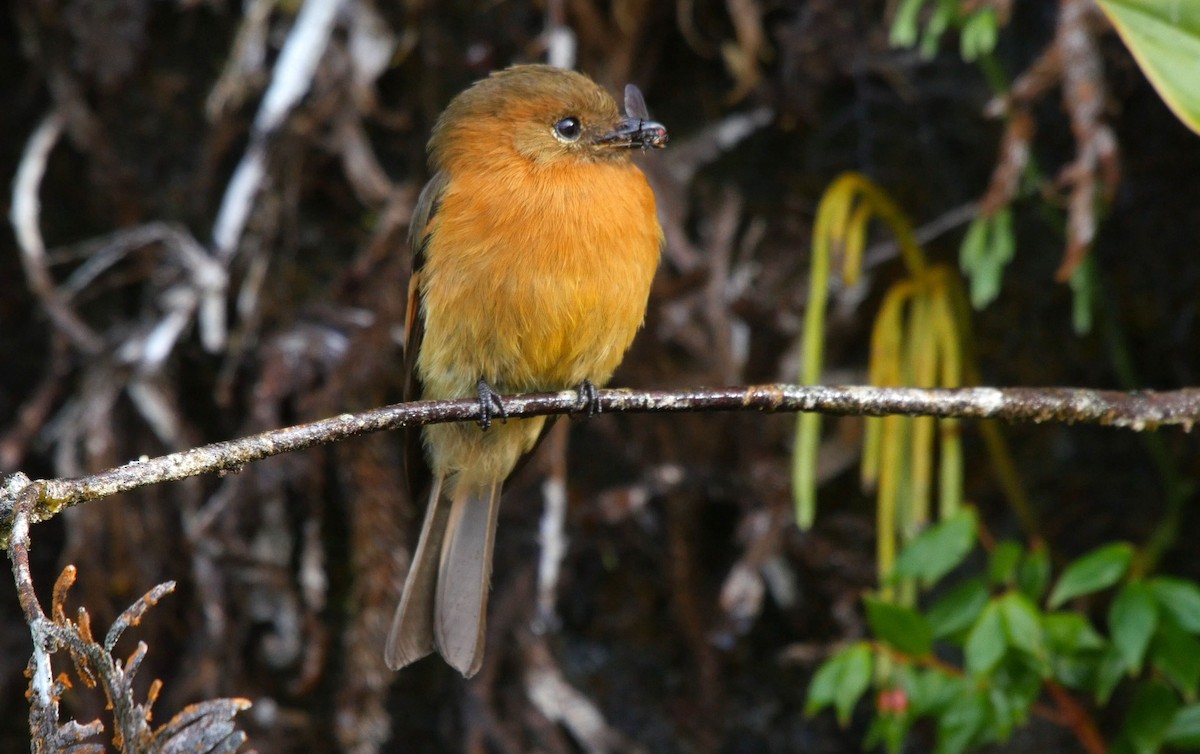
x: 291, y: 80
x: 246, y: 63
x: 25, y: 216
x: 672, y: 175
x: 563, y: 704
x: 953, y: 218
x: 303, y: 50
x: 552, y: 536
x: 559, y: 37
x: 43, y: 695
x: 1132, y: 410
x: 561, y: 47
x: 1097, y: 157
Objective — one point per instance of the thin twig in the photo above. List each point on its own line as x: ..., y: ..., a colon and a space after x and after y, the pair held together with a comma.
x: 566, y: 705
x: 43, y: 699
x: 25, y: 216
x: 1097, y: 160
x: 551, y: 534
x: 1132, y: 410
x: 292, y: 78
x: 1076, y: 718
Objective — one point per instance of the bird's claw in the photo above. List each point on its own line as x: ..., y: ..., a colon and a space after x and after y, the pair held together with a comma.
x: 489, y: 405
x: 589, y: 398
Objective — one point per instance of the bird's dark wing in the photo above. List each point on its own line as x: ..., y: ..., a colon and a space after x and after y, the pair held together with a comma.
x: 416, y: 466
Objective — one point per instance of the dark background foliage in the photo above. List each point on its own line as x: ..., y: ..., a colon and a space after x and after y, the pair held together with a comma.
x: 689, y: 611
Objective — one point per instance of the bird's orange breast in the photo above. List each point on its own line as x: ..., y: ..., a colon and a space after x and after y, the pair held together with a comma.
x: 536, y: 278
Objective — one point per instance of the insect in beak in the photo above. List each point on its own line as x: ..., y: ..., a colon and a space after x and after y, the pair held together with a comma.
x: 636, y: 130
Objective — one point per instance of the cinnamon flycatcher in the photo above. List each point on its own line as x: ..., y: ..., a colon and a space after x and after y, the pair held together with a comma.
x: 534, y: 246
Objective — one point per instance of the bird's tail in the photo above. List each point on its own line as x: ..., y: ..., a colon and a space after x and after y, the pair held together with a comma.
x: 444, y: 605
x: 464, y: 576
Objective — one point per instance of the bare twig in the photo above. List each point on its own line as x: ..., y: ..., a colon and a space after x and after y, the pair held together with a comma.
x: 1097, y: 162
x: 1076, y: 718
x: 1011, y: 163
x: 33, y: 413
x: 744, y: 587
x: 292, y: 79
x: 742, y: 56
x: 885, y: 251
x: 560, y: 37
x: 551, y: 536
x: 672, y: 176
x: 1074, y: 61
x: 25, y: 216
x: 43, y: 691
x: 564, y: 704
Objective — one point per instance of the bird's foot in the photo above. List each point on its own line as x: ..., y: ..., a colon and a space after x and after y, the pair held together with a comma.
x: 489, y: 405
x: 589, y: 398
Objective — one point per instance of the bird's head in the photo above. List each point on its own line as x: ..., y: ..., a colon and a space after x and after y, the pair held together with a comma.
x: 543, y: 114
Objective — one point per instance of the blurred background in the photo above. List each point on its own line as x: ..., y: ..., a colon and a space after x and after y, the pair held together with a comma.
x: 220, y: 250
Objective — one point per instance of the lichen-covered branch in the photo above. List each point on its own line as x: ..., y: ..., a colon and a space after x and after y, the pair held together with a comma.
x: 1136, y: 410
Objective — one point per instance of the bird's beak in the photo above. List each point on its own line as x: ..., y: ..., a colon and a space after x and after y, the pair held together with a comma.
x: 635, y: 133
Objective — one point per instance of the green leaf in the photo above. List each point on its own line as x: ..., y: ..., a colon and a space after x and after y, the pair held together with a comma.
x: 987, y: 248
x: 930, y: 691
x: 1184, y: 730
x: 962, y: 723
x: 1002, y: 712
x: 1109, y: 673
x: 1132, y: 618
x: 978, y: 35
x: 1070, y: 633
x: 1180, y: 598
x: 900, y: 627
x: 904, y: 29
x: 974, y: 245
x: 986, y: 641
x: 958, y: 608
x: 841, y: 681
x: 1020, y: 686
x: 938, y: 550
x: 855, y: 680
x: 1022, y: 624
x: 975, y: 259
x: 888, y: 731
x: 1175, y: 654
x: 1004, y: 240
x: 1084, y: 293
x: 1164, y: 37
x: 1147, y: 721
x: 1099, y: 569
x: 935, y: 27
x: 1075, y: 672
x: 1034, y: 574
x: 1002, y: 566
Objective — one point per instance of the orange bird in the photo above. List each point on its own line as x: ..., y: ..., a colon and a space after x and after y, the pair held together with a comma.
x: 534, y: 246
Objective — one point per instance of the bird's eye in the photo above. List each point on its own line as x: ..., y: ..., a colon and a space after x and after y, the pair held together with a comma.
x: 568, y: 129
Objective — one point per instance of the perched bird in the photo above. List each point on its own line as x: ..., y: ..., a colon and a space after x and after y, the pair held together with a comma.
x: 534, y: 246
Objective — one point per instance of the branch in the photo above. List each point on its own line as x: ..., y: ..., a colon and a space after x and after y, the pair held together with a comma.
x: 1136, y: 410
x: 1076, y: 719
x: 25, y: 215
x: 204, y: 728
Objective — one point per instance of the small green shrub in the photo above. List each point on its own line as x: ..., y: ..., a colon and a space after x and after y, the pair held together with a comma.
x: 987, y: 650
